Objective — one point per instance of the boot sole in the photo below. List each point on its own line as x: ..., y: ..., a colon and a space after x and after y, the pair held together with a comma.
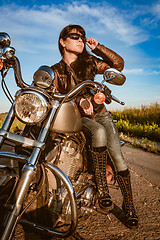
x: 131, y: 227
x: 106, y: 209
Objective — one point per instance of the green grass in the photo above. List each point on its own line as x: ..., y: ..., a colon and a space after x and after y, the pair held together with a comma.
x: 140, y: 126
x: 144, y: 143
x: 16, y: 125
x: 146, y: 114
x: 146, y: 130
x: 141, y: 122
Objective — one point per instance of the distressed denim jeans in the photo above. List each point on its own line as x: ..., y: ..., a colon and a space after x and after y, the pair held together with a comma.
x: 101, y: 132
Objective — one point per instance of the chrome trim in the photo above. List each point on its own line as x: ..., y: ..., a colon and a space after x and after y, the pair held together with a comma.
x: 20, y: 139
x: 8, y: 52
x: 76, y: 90
x: 43, y: 77
x: 34, y: 89
x: 43, y: 134
x: 28, y: 173
x: 7, y: 123
x: 74, y: 217
x: 113, y: 76
x: 40, y: 96
x: 14, y: 156
x: 5, y: 39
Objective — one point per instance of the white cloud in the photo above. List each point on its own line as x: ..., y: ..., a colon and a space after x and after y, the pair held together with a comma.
x: 154, y: 72
x: 133, y: 71
x: 34, y: 33
x: 141, y: 71
x: 46, y: 21
x: 109, y: 20
x: 156, y: 10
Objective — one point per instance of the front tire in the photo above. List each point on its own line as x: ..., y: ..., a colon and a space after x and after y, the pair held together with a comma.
x: 54, y: 212
x: 6, y: 194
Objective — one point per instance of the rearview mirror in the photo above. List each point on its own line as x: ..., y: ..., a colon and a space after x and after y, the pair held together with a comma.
x: 114, y: 76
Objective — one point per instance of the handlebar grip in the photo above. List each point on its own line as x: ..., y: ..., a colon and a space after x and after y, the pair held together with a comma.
x: 117, y: 100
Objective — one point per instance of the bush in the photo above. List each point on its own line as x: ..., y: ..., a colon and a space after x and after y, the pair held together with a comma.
x: 141, y: 122
x: 16, y: 125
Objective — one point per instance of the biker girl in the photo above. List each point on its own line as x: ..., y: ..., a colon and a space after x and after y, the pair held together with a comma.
x: 101, y: 133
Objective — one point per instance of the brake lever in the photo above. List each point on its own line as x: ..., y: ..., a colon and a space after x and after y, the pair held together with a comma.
x: 117, y: 100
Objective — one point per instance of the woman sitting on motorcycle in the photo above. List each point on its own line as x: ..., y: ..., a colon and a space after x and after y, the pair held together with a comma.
x: 101, y: 133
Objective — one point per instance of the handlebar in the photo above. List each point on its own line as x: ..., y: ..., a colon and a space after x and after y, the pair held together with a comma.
x: 116, y: 100
x: 9, y: 60
x: 80, y: 87
x: 77, y: 89
x: 17, y: 73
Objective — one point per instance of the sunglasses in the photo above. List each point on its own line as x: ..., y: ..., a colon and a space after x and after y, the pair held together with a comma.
x: 75, y: 36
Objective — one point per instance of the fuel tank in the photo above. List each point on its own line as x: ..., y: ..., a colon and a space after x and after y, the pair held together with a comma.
x: 68, y: 119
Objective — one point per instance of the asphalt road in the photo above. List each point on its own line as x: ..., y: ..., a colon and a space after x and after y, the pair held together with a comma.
x: 143, y: 163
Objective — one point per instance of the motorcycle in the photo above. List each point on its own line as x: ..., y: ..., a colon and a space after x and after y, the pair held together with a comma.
x: 52, y: 186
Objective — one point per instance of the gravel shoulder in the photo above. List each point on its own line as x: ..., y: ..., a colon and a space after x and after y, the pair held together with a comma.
x: 147, y: 204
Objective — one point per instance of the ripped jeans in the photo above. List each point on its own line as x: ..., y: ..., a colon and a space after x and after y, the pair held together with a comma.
x: 101, y: 132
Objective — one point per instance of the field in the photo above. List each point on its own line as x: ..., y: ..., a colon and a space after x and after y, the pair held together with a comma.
x: 140, y: 123
x: 139, y: 126
x: 16, y: 126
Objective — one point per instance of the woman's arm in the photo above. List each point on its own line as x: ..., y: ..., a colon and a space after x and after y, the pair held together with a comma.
x: 110, y: 59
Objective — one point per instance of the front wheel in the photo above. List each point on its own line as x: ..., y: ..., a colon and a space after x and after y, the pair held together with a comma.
x: 59, y: 212
x: 6, y: 194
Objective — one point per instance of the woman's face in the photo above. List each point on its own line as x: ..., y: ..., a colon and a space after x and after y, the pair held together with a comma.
x: 70, y: 45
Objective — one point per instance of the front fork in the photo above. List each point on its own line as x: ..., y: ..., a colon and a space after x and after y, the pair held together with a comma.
x: 28, y: 172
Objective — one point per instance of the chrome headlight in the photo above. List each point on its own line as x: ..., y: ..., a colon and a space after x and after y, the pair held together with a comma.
x: 31, y: 107
x: 43, y: 77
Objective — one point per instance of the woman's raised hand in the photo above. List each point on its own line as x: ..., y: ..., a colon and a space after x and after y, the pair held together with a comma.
x: 91, y: 43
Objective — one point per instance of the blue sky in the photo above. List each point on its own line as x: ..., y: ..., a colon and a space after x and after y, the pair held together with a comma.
x: 131, y: 28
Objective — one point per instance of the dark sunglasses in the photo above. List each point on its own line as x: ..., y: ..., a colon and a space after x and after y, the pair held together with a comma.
x: 75, y: 36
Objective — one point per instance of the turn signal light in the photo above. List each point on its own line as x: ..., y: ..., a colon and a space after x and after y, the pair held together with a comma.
x: 1, y: 65
x: 99, y: 98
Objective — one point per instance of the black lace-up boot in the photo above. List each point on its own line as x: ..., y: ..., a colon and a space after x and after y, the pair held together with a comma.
x: 99, y: 165
x: 123, y: 179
